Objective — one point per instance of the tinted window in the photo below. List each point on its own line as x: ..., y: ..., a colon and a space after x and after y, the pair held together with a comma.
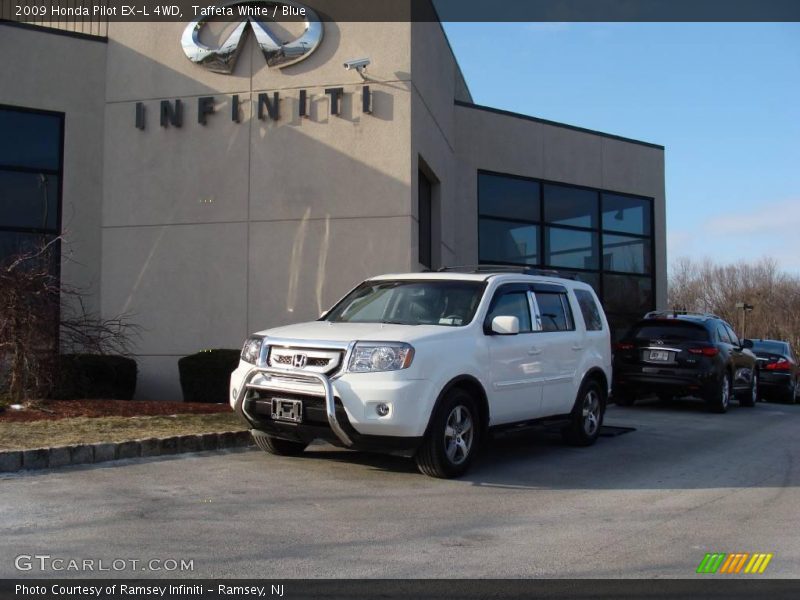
x: 678, y: 332
x: 626, y: 214
x: 28, y: 200
x: 571, y: 248
x: 513, y: 304
x: 506, y: 241
x: 589, y: 310
x: 425, y: 198
x: 733, y: 337
x: 553, y: 312
x: 771, y: 347
x: 626, y: 254
x: 30, y: 139
x: 570, y: 206
x: 722, y: 334
x: 628, y: 294
x: 509, y: 197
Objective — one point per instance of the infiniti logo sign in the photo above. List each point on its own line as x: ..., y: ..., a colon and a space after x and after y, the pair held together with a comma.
x: 277, y: 54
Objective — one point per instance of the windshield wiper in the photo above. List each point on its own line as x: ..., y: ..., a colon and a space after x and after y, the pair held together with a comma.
x: 390, y: 322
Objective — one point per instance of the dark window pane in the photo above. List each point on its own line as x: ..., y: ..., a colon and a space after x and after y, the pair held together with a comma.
x: 29, y: 139
x: 507, y: 242
x: 626, y: 294
x: 425, y: 199
x: 593, y: 279
x: 733, y: 337
x: 570, y: 206
x: 508, y: 197
x: 722, y: 334
x: 570, y: 248
x: 626, y: 254
x: 513, y: 304
x: 589, y: 310
x: 551, y: 309
x: 34, y: 246
x: 626, y: 215
x: 28, y: 200
x: 674, y: 331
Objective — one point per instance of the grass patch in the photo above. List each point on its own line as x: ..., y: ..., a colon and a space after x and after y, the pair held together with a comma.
x: 82, y: 430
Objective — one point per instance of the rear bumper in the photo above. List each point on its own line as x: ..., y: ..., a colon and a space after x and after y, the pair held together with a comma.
x: 775, y: 382
x: 657, y: 380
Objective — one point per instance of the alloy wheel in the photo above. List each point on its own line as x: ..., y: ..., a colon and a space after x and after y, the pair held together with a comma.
x: 591, y: 413
x: 458, y: 434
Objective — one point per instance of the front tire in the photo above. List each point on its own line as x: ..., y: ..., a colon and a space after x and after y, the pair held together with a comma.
x: 277, y: 446
x: 587, y: 415
x: 719, y: 400
x: 450, y: 444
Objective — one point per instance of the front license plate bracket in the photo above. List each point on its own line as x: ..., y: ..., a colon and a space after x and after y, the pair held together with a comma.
x: 287, y: 410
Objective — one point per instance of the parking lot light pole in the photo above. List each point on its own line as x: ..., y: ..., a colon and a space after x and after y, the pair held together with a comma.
x: 745, y: 308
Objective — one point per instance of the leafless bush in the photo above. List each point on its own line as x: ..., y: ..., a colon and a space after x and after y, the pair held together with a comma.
x: 40, y: 318
x: 709, y: 287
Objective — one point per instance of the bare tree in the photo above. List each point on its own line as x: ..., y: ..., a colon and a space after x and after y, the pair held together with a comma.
x: 40, y: 317
x: 709, y: 287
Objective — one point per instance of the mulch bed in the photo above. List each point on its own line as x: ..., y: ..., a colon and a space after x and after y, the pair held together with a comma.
x: 65, y: 409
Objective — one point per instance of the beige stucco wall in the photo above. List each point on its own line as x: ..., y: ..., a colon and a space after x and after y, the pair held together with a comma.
x: 44, y: 76
x: 212, y: 232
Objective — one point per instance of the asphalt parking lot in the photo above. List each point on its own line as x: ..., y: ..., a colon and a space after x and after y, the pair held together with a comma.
x: 649, y: 503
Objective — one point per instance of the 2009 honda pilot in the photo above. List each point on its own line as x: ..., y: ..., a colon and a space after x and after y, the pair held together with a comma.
x: 425, y: 363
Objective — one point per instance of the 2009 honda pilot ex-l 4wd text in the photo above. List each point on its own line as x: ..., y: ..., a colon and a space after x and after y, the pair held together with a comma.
x: 424, y: 364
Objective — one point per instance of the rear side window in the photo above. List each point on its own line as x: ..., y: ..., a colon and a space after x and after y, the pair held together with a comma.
x: 676, y: 332
x: 589, y: 310
x: 554, y: 311
x: 723, y: 335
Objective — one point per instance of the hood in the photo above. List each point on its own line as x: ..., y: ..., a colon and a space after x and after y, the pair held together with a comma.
x: 347, y: 332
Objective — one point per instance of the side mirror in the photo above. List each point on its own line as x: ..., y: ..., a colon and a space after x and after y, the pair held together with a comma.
x: 505, y: 325
x: 747, y: 343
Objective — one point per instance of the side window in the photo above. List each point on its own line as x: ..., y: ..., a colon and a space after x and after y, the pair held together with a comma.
x: 589, y: 310
x: 733, y: 337
x: 723, y: 335
x: 513, y: 304
x: 554, y: 311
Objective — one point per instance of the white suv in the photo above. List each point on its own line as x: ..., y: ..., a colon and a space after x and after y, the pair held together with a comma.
x: 426, y: 364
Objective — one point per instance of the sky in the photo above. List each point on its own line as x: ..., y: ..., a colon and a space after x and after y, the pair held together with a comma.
x: 723, y: 98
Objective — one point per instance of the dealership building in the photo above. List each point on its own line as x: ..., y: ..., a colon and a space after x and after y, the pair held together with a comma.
x: 215, y: 178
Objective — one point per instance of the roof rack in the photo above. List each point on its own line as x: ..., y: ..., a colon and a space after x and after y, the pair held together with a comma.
x: 672, y: 314
x: 488, y: 268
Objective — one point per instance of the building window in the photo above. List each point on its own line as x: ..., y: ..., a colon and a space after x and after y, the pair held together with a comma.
x: 30, y: 182
x: 425, y: 199
x: 599, y: 237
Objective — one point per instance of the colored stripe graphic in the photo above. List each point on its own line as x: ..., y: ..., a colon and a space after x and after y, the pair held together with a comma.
x: 720, y: 562
x: 758, y: 564
x: 711, y: 562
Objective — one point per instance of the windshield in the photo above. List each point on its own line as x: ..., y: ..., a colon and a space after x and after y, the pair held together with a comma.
x: 404, y: 302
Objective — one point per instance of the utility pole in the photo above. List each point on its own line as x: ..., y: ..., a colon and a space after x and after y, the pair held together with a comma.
x: 745, y: 308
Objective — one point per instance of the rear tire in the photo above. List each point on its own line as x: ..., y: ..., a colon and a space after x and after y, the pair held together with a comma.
x: 452, y: 439
x: 277, y: 446
x: 719, y: 400
x: 587, y: 415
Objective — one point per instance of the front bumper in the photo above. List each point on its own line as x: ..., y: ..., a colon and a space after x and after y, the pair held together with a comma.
x: 340, y: 411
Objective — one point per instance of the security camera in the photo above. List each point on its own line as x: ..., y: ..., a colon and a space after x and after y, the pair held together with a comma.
x: 358, y: 64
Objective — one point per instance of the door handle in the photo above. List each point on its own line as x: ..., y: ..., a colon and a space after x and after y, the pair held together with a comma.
x: 577, y: 347
x: 534, y: 350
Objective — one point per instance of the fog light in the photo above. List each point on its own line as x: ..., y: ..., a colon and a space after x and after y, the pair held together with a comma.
x: 382, y: 409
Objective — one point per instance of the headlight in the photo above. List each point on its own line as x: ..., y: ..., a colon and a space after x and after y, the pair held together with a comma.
x: 380, y: 356
x: 252, y: 349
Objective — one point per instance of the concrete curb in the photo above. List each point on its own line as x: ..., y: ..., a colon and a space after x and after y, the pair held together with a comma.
x: 62, y: 456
